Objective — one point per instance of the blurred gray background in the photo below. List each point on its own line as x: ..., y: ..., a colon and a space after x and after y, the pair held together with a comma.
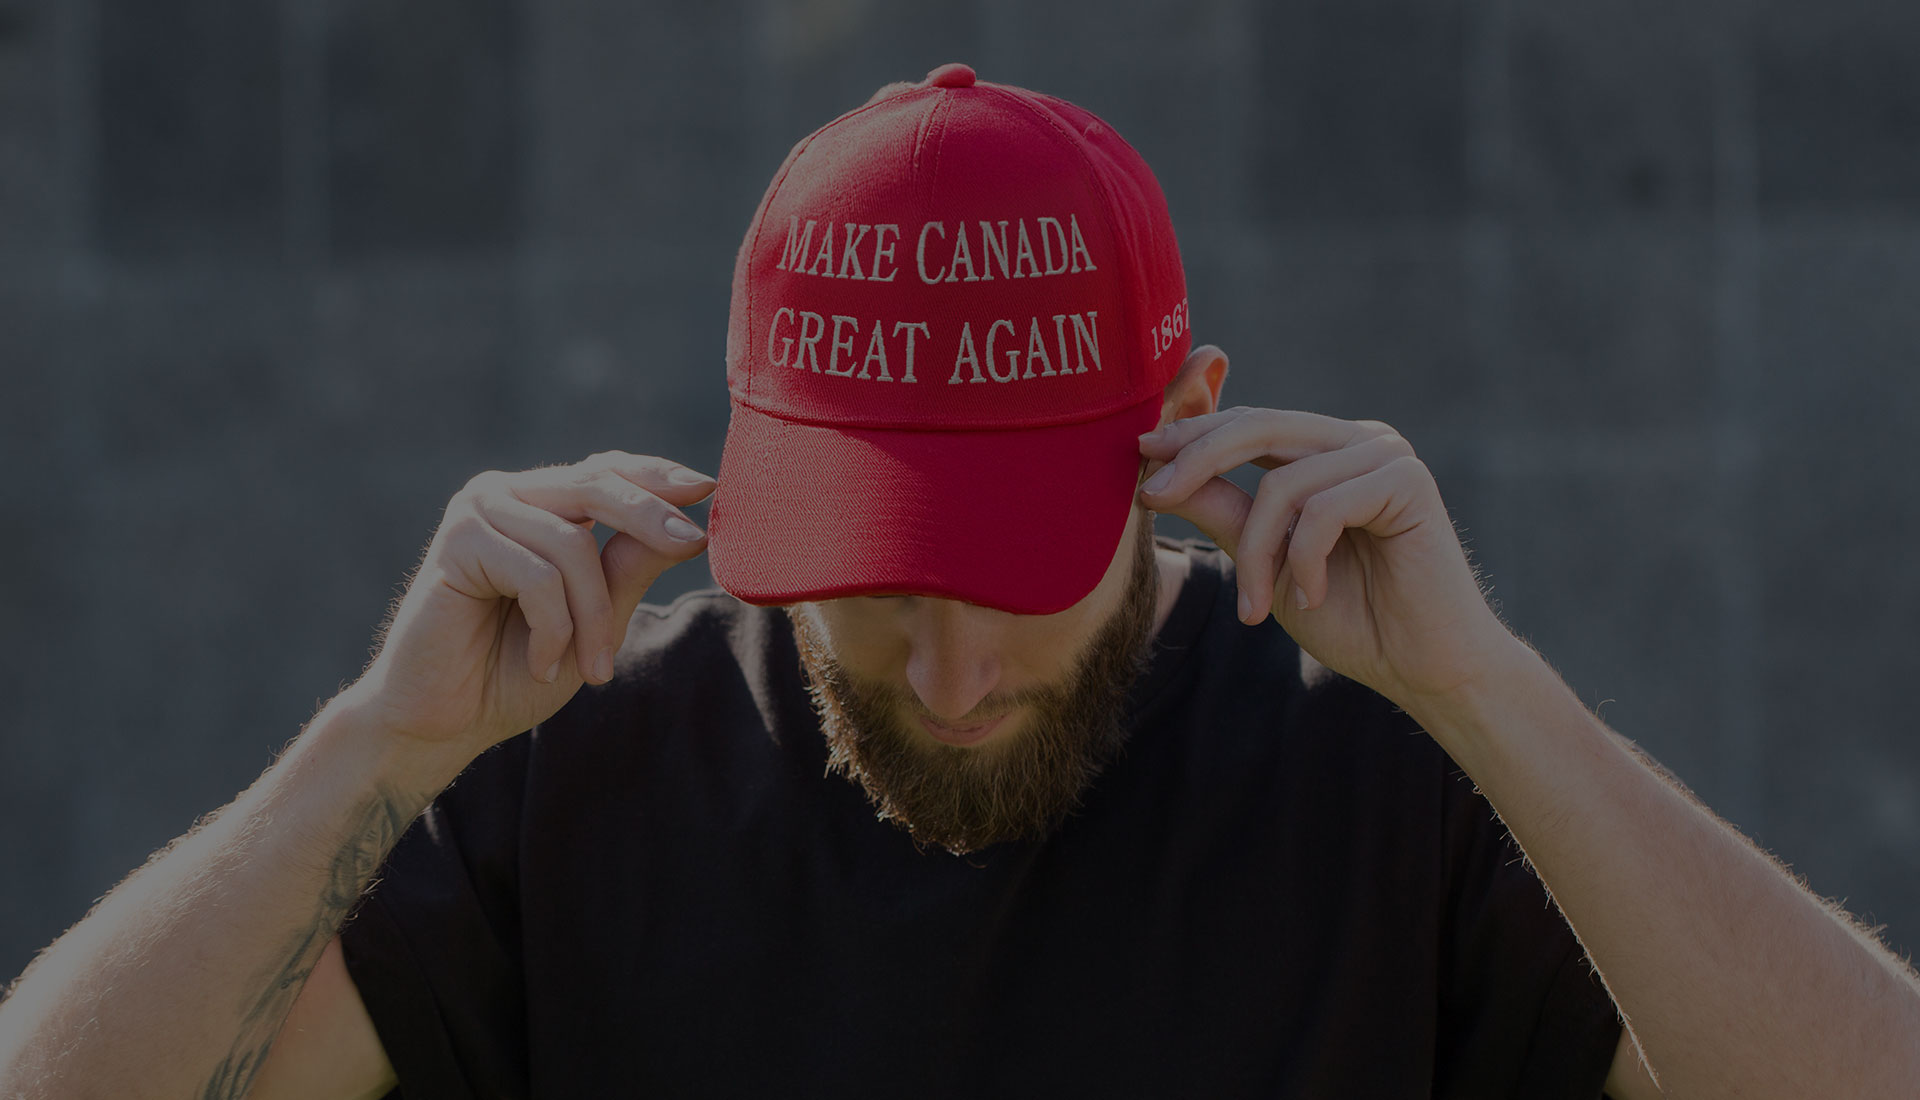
x: 1638, y: 279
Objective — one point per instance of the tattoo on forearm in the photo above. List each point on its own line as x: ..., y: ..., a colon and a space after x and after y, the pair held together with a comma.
x: 377, y: 824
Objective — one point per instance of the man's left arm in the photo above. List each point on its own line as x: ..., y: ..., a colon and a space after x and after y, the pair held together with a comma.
x: 1733, y: 977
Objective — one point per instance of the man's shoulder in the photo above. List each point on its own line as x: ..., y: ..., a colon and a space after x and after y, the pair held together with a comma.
x: 704, y: 623
x: 704, y: 646
x: 704, y: 663
x: 1203, y: 554
x: 1318, y: 703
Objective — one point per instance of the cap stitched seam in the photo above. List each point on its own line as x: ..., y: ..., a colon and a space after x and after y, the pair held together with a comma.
x: 760, y: 220
x: 1106, y: 209
x: 926, y: 124
x: 939, y: 146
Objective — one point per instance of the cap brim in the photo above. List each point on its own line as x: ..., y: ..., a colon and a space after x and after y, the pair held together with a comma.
x: 1023, y: 520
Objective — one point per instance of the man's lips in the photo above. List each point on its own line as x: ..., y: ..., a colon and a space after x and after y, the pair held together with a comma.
x: 961, y: 735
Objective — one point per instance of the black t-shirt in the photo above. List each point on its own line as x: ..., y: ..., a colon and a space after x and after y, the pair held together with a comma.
x: 1284, y: 888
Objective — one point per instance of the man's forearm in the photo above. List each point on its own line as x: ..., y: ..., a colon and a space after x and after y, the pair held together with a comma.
x: 179, y: 979
x: 1734, y: 979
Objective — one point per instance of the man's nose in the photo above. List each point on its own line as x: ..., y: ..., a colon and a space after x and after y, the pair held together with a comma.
x: 953, y: 659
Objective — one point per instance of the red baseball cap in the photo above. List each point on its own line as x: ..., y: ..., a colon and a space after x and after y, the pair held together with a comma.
x: 953, y: 314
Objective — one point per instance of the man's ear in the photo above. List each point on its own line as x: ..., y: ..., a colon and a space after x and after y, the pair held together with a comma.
x: 1195, y: 390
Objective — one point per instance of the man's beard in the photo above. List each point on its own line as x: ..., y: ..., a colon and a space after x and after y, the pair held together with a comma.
x: 965, y: 798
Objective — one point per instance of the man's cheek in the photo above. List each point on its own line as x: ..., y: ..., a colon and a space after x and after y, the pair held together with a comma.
x: 880, y: 673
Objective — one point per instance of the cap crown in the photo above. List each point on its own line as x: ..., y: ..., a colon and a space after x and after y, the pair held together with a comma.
x: 957, y: 255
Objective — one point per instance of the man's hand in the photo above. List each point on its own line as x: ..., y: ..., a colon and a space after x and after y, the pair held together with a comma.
x: 514, y: 604
x: 179, y: 981
x: 1346, y: 541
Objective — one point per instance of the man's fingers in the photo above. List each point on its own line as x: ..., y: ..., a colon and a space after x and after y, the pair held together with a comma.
x: 622, y: 505
x: 551, y: 511
x: 666, y: 479
x: 1203, y: 447
x: 1219, y: 509
x: 631, y: 567
x: 1283, y: 491
x: 570, y: 491
x: 1167, y: 439
x: 572, y: 549
x: 1364, y: 502
x: 1306, y: 431
x: 506, y: 568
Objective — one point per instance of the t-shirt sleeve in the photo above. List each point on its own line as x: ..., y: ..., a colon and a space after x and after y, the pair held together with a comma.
x: 1522, y: 1013
x: 434, y: 947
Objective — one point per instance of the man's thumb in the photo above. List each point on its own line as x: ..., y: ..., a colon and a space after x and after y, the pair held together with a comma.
x: 631, y: 567
x: 1219, y: 509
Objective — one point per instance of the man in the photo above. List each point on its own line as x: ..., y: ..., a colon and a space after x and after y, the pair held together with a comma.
x: 967, y: 785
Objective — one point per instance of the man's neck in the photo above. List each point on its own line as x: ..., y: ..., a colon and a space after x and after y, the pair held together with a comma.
x: 1174, y: 566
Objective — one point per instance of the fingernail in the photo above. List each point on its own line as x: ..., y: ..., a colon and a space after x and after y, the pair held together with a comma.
x: 552, y: 674
x: 1299, y: 597
x: 684, y: 476
x: 1159, y: 481
x: 1246, y: 607
x: 603, y: 666
x: 681, y: 529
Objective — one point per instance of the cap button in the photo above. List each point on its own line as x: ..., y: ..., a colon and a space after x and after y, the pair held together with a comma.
x: 951, y: 75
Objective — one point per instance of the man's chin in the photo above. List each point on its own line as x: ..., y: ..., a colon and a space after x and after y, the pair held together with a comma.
x: 966, y: 788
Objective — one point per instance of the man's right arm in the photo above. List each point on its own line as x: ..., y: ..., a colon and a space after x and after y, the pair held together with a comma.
x: 328, y: 1047
x: 180, y: 980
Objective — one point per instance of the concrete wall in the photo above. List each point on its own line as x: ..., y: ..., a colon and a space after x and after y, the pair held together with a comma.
x: 1638, y: 279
